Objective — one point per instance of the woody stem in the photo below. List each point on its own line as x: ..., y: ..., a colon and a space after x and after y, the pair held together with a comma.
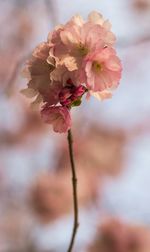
x: 74, y: 187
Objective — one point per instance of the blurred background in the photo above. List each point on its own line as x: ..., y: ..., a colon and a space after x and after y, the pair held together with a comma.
x: 111, y: 140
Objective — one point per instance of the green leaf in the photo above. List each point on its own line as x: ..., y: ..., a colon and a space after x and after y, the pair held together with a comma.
x: 76, y: 103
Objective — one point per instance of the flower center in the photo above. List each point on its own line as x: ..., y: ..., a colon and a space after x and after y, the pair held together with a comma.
x: 97, y: 66
x: 82, y: 49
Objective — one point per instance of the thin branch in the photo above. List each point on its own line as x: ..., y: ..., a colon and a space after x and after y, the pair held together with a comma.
x: 74, y: 185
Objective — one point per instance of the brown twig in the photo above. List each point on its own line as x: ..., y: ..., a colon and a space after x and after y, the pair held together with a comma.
x: 74, y: 185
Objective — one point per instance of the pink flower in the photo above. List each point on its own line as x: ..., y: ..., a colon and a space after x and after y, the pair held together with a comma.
x: 78, y: 38
x: 96, y: 18
x: 77, y: 58
x: 101, y: 70
x: 58, y: 116
x: 38, y: 71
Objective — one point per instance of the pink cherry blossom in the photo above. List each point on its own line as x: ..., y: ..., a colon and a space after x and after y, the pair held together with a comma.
x: 58, y: 116
x: 101, y: 70
x: 77, y: 58
x: 78, y: 38
x: 96, y: 18
x: 37, y: 71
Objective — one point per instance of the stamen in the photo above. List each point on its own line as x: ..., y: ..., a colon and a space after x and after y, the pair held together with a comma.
x: 82, y: 50
x: 97, y: 66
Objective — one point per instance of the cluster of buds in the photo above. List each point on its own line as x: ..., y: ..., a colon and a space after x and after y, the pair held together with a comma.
x: 71, y: 95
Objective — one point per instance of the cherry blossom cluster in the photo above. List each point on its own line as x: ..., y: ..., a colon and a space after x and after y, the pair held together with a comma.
x: 78, y: 58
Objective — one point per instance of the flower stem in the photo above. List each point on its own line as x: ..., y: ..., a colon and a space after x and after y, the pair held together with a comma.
x: 74, y: 186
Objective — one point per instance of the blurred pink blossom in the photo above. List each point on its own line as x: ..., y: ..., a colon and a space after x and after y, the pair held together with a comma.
x: 115, y: 235
x: 58, y: 116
